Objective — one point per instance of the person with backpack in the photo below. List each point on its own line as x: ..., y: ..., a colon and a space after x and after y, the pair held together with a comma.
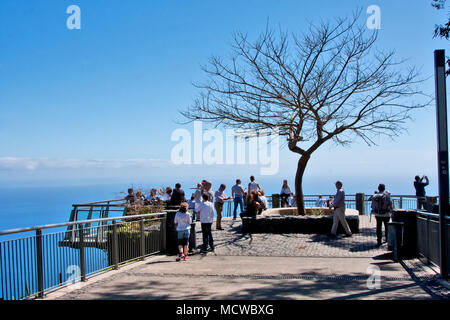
x: 381, y: 208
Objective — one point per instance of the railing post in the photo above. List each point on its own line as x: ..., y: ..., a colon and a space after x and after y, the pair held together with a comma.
x: 359, y: 203
x: 400, y: 205
x: 163, y: 231
x: 39, y: 263
x: 82, y: 260
x: 141, y: 224
x: 115, y: 246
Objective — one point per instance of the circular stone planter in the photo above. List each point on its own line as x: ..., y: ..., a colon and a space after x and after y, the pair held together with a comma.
x: 286, y: 220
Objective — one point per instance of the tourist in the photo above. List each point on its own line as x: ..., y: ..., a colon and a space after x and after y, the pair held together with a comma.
x: 381, y: 208
x: 339, y: 211
x: 166, y: 195
x: 207, y: 189
x: 198, y: 197
x: 206, y: 214
x: 130, y: 197
x: 262, y: 201
x: 191, y: 204
x: 320, y: 202
x: 329, y: 202
x: 252, y: 205
x: 183, y: 226
x: 238, y: 193
x: 218, y: 204
x: 177, y: 196
x: 284, y: 194
x: 292, y: 202
x: 419, y: 185
x: 153, y: 198
x: 253, y: 185
x: 139, y: 198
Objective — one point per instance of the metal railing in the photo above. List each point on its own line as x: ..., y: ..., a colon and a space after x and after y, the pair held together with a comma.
x: 428, y: 237
x: 32, y: 265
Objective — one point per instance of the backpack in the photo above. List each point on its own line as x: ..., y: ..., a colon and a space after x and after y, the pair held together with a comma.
x: 380, y: 203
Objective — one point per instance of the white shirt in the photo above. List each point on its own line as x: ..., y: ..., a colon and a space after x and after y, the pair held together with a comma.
x: 183, y: 221
x: 198, y: 196
x: 286, y: 190
x: 319, y: 203
x: 206, y: 210
x: 263, y: 200
x: 252, y: 186
x: 165, y: 197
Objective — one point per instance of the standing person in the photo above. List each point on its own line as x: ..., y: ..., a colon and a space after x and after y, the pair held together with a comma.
x: 419, y: 185
x: 285, y: 193
x: 177, y: 196
x: 198, y: 198
x: 207, y: 189
x: 381, y: 207
x: 253, y: 185
x: 339, y: 211
x: 237, y: 193
x: 218, y: 204
x: 183, y: 222
x: 206, y: 213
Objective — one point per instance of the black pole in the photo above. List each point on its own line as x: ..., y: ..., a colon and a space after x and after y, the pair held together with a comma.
x: 441, y: 123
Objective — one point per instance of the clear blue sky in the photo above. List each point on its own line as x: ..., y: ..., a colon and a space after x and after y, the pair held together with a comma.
x: 111, y: 91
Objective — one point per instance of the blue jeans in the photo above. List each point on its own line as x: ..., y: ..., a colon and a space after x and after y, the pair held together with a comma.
x: 238, y: 200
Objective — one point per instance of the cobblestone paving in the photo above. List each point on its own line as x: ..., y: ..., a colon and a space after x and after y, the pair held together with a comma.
x: 232, y: 242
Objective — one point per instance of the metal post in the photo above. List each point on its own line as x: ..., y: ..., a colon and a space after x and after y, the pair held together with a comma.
x: 163, y: 230
x: 82, y: 260
x: 115, y: 246
x: 40, y: 264
x: 441, y: 121
x: 400, y: 204
x: 141, y: 224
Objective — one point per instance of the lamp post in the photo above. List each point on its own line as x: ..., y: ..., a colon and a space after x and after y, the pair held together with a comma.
x: 441, y: 123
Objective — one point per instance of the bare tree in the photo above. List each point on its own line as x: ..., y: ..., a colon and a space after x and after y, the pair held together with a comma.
x: 329, y: 83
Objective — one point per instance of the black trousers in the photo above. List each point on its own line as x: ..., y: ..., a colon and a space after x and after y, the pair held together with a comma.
x: 380, y: 222
x: 284, y: 199
x: 207, y: 236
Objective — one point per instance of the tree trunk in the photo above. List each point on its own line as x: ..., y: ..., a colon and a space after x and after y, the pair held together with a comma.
x: 302, y: 162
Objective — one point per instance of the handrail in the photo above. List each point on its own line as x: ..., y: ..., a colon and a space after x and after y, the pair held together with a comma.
x: 48, y: 226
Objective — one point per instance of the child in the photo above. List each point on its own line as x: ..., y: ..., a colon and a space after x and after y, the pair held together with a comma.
x: 183, y: 223
x: 206, y: 213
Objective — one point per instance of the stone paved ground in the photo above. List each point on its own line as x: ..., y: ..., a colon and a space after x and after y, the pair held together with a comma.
x: 269, y: 266
x: 233, y: 243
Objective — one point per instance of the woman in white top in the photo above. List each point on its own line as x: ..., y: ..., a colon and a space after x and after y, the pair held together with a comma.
x: 285, y: 193
x: 253, y: 185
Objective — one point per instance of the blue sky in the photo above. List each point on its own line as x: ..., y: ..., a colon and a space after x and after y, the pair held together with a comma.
x: 98, y: 105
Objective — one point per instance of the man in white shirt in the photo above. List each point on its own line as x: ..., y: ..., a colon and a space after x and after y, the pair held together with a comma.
x: 253, y: 185
x: 206, y: 213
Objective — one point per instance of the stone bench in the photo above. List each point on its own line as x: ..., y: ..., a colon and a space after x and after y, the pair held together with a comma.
x: 279, y: 220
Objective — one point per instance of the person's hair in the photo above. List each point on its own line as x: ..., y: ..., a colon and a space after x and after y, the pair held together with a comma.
x: 199, y: 185
x: 238, y: 181
x: 339, y: 183
x: 254, y: 192
x: 261, y: 192
x: 285, y: 183
x: 417, y: 178
x: 222, y: 186
x: 320, y: 196
x: 130, y: 190
x: 184, y: 207
x: 252, y: 178
x: 205, y: 196
x: 178, y: 186
x: 381, y: 187
x: 168, y: 190
x: 192, y: 197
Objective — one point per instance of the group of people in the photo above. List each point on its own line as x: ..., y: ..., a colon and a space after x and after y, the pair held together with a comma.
x: 204, y: 201
x: 252, y: 201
